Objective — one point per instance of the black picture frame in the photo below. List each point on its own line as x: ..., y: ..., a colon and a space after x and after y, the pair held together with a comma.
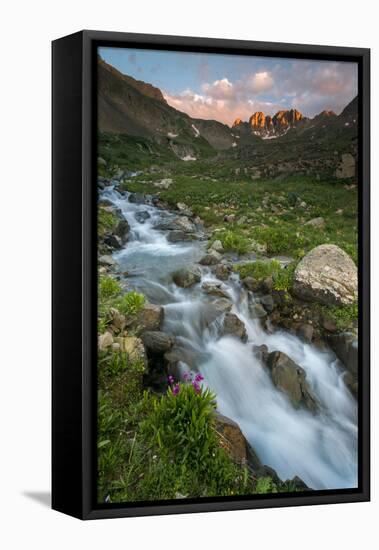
x: 74, y: 273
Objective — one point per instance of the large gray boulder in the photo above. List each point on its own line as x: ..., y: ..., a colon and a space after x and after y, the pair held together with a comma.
x: 327, y: 275
x: 291, y: 379
x: 233, y: 326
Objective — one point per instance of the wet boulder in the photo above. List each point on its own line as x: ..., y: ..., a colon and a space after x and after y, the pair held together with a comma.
x: 233, y: 326
x: 142, y: 216
x: 291, y: 379
x: 211, y: 258
x: 187, y: 277
x: 157, y: 342
x: 267, y: 301
x: 122, y: 230
x: 177, y: 236
x: 214, y: 288
x: 306, y: 331
x: 113, y: 241
x: 326, y: 275
x: 183, y: 223
x: 251, y: 284
x: 257, y: 311
x: 345, y: 346
x: 261, y: 352
x: 137, y: 198
x: 222, y: 271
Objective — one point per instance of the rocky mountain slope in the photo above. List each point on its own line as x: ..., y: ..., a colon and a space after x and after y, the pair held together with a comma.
x: 128, y: 106
x: 287, y: 142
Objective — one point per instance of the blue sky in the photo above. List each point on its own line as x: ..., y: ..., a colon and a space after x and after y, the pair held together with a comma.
x: 224, y: 87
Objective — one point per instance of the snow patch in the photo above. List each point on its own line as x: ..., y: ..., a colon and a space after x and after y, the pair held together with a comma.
x: 171, y: 135
x: 234, y: 144
x: 197, y: 132
x: 188, y: 157
x: 347, y: 124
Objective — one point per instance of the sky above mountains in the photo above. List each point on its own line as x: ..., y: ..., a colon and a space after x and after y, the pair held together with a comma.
x: 224, y: 87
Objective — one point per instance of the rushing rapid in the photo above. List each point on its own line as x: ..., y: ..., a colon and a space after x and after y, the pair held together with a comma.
x: 319, y: 448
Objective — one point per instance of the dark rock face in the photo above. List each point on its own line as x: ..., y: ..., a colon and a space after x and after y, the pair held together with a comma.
x: 291, y: 379
x: 122, y: 230
x: 223, y: 271
x: 113, y: 241
x: 345, y: 346
x: 157, y: 342
x: 261, y: 352
x: 233, y: 326
x: 305, y: 332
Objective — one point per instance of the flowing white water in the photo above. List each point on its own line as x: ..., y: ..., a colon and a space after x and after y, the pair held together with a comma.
x: 321, y: 449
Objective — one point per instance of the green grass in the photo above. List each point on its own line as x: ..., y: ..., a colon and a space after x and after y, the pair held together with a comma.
x: 107, y: 222
x: 344, y: 317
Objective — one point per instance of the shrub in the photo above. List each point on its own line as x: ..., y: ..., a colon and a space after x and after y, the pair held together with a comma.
x: 108, y: 288
x: 233, y: 241
x: 107, y: 222
x: 259, y: 269
x: 283, y: 279
x: 343, y: 316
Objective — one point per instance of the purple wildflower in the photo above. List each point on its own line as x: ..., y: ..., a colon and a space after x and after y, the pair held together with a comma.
x: 186, y: 376
x: 199, y: 377
x: 170, y: 379
x: 176, y: 389
x: 196, y: 386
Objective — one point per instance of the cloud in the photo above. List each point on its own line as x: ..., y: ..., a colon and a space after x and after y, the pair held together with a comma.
x: 260, y: 82
x: 304, y: 85
x: 219, y: 89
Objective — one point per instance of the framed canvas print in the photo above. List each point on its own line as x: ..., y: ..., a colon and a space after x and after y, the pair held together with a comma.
x: 210, y: 275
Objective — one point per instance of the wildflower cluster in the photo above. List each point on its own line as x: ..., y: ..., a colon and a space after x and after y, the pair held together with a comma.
x: 190, y: 379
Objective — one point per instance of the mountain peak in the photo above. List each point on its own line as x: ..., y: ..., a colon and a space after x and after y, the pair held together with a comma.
x: 144, y: 88
x: 237, y: 122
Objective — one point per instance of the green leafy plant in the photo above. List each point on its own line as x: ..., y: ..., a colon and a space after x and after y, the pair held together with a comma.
x: 259, y: 269
x: 130, y: 303
x: 234, y: 241
x: 108, y: 288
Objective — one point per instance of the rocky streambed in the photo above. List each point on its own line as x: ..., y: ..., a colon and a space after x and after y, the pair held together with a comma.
x: 282, y: 399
